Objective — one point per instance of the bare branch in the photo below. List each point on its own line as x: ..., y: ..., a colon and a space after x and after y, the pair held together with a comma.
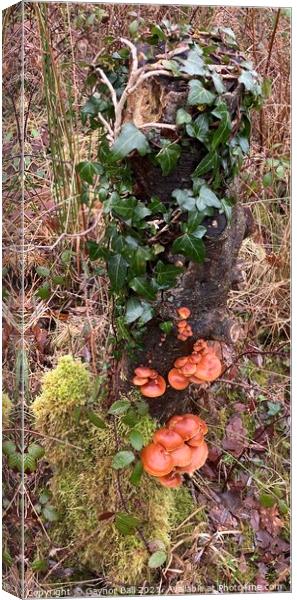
x: 105, y: 80
x: 158, y: 126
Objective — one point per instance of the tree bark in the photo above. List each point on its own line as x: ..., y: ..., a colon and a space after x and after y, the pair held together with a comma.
x: 203, y: 287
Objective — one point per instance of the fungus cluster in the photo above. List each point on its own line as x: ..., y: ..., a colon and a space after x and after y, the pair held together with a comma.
x: 151, y: 384
x: 184, y: 329
x: 200, y: 366
x: 177, y: 448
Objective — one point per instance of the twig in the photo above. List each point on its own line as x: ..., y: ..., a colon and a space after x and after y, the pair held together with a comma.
x: 74, y: 549
x: 158, y: 126
x: 262, y: 352
x: 49, y: 437
x: 105, y: 80
x: 272, y: 40
x: 175, y: 216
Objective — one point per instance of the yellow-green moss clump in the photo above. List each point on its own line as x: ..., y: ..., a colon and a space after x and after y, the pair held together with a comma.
x: 85, y: 486
x: 6, y: 409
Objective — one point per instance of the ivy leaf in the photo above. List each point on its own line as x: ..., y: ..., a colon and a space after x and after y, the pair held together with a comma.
x: 182, y: 117
x: 122, y: 459
x: 136, y: 474
x: 93, y: 106
x: 36, y: 451
x: 96, y: 251
x: 267, y: 500
x: 86, y: 170
x: 42, y: 271
x: 8, y: 447
x: 244, y: 143
x: 15, y: 461
x: 218, y: 83
x: 50, y: 513
x: 141, y: 286
x: 157, y: 559
x: 94, y: 419
x: 273, y: 408
x: 184, y: 199
x: 222, y: 133
x: 157, y: 32
x: 227, y: 207
x: 120, y: 407
x: 117, y: 271
x: 199, y: 232
x: 168, y: 157
x: 124, y: 207
x: 198, y: 94
x: 195, y: 218
x: 129, y: 139
x: 207, y: 198
x: 156, y: 206
x: 29, y: 463
x: 166, y: 274
x: 137, y: 262
x: 208, y: 163
x: 172, y: 65
x: 136, y: 439
x: 199, y: 129
x: 166, y: 327
x: 248, y: 80
x: 44, y: 497
x: 141, y: 211
x: 190, y: 246
x: 39, y: 565
x: 134, y: 310
x: 44, y: 292
x: 147, y: 315
x: 194, y: 64
x: 126, y: 524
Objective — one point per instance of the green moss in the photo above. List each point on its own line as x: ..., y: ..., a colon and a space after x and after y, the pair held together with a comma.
x: 85, y: 486
x: 6, y: 409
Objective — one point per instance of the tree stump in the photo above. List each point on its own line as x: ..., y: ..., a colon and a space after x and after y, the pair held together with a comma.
x: 203, y: 287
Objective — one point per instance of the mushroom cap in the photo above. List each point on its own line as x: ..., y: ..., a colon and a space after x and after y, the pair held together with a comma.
x: 199, y: 456
x: 200, y: 422
x: 154, y: 387
x: 145, y: 372
x: 156, y: 460
x: 183, y: 312
x: 197, y: 440
x: 182, y: 325
x: 195, y: 358
x: 168, y: 438
x: 186, y: 425
x: 182, y: 456
x: 139, y: 380
x: 194, y: 379
x: 172, y: 480
x: 177, y: 380
x: 209, y: 368
x: 181, y: 361
x: 188, y: 369
x: 200, y: 345
x: 183, y: 337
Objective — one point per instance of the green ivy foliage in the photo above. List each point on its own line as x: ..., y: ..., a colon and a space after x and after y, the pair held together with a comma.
x: 216, y: 73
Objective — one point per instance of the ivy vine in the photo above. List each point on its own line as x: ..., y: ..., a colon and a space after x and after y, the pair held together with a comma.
x: 222, y: 88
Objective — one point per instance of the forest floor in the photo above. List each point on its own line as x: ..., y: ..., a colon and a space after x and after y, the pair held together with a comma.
x: 243, y: 537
